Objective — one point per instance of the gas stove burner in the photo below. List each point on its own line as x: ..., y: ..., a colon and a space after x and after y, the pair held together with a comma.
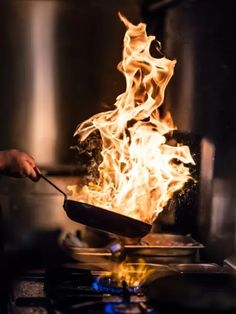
x: 110, y: 285
x: 128, y: 308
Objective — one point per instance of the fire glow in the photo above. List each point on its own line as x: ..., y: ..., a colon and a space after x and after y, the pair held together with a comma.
x: 139, y: 171
x: 132, y: 275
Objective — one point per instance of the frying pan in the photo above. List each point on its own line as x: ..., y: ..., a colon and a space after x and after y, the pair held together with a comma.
x: 198, y: 293
x: 100, y: 218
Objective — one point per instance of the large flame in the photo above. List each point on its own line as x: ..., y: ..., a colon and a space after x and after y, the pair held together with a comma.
x: 139, y: 172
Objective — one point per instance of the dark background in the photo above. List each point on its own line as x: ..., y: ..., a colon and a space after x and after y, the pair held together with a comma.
x: 200, y: 35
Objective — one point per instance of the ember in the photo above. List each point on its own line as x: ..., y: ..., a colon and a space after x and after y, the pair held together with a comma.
x: 139, y: 171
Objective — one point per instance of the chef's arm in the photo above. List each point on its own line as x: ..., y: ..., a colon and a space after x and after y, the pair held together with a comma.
x: 17, y: 164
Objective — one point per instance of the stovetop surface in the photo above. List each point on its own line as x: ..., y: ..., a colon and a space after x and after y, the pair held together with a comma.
x: 74, y: 288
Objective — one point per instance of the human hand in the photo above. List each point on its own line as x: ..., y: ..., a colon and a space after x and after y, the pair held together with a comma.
x: 18, y: 164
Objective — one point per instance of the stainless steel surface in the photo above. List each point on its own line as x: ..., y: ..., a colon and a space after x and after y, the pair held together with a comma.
x: 198, y: 34
x: 164, y: 245
x: 106, y: 267
x: 28, y: 207
x: 178, y: 253
x: 206, y: 186
x: 200, y: 268
x: 58, y: 67
x: 231, y: 261
x: 89, y: 255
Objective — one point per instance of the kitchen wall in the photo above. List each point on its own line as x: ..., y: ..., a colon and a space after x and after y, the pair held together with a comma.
x: 201, y: 97
x: 58, y: 67
x: 199, y: 34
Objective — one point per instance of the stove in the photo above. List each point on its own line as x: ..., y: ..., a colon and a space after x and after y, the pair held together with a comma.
x: 87, y: 284
x: 71, y: 289
x: 74, y: 288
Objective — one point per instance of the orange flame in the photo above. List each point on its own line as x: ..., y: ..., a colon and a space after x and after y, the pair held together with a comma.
x: 139, y: 172
x: 133, y: 274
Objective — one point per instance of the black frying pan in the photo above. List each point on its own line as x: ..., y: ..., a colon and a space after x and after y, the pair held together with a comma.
x: 102, y: 219
x: 198, y: 293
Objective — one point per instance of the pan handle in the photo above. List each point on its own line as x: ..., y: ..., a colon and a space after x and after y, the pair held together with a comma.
x: 50, y: 182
